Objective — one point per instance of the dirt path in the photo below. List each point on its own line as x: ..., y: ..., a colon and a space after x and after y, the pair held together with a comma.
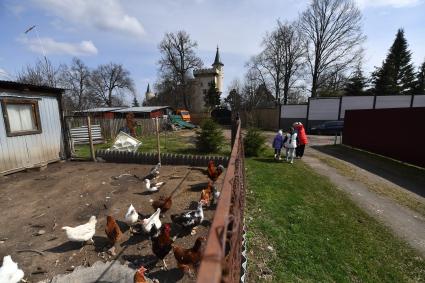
x: 405, y: 223
x: 67, y: 194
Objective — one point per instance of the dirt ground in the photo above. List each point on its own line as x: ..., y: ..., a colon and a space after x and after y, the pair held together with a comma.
x: 67, y: 194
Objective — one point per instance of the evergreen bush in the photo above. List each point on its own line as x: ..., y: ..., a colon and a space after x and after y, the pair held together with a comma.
x: 210, y: 138
x: 254, y: 142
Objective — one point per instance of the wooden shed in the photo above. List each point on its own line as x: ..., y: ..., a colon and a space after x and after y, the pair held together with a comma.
x: 31, y: 126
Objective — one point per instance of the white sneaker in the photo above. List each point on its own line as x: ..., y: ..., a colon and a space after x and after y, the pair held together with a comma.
x: 292, y: 161
x: 280, y: 158
x: 275, y: 156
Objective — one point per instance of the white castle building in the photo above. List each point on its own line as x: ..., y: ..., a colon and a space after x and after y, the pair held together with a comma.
x: 200, y: 84
x: 202, y: 81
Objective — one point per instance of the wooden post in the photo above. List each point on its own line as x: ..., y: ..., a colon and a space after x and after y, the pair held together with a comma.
x: 92, y: 153
x: 157, y: 139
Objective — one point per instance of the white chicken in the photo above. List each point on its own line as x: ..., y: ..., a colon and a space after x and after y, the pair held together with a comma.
x: 9, y: 271
x: 155, y: 169
x: 151, y: 221
x: 131, y: 216
x: 82, y: 233
x: 151, y: 187
x: 216, y: 194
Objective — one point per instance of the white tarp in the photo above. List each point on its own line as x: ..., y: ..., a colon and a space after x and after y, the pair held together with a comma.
x: 125, y: 142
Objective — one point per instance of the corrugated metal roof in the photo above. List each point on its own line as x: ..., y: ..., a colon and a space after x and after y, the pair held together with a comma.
x: 102, y: 109
x: 143, y: 109
x: 25, y: 87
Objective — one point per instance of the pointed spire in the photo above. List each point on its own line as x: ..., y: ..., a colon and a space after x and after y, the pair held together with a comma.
x: 148, y: 89
x: 217, y: 61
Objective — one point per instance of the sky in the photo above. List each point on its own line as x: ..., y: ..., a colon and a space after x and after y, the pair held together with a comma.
x: 129, y: 31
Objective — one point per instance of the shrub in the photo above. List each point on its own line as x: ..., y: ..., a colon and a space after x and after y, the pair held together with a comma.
x: 210, y: 138
x: 254, y: 142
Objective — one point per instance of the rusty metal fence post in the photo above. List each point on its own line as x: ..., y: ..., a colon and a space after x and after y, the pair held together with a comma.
x: 222, y: 257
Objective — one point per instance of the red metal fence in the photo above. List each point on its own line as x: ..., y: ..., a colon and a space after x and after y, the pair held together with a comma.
x: 398, y: 133
x: 222, y: 257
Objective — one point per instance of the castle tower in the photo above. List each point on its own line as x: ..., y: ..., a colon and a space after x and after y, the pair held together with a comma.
x: 219, y: 67
x: 148, y: 94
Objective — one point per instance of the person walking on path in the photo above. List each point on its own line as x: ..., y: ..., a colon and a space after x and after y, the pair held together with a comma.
x: 302, y: 139
x: 291, y: 145
x: 278, y: 144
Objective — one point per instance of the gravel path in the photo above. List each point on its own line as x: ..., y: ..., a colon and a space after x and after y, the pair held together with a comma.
x: 404, y: 222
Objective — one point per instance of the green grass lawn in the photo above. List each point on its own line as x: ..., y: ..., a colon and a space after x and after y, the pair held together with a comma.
x: 174, y: 142
x: 317, y: 233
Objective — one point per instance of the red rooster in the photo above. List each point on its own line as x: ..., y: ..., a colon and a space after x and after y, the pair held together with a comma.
x: 162, y: 244
x: 213, y: 171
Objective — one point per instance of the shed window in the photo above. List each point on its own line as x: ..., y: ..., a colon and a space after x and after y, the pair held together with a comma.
x: 21, y: 117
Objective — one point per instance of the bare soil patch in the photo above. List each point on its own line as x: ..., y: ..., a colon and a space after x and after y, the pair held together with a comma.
x: 67, y: 194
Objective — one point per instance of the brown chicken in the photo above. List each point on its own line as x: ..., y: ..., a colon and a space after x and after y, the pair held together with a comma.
x: 163, y: 203
x: 187, y: 258
x: 139, y: 276
x: 162, y: 245
x: 214, y: 172
x: 113, y: 232
x: 206, y: 195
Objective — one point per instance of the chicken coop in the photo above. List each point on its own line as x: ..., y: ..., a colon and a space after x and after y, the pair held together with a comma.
x: 31, y: 131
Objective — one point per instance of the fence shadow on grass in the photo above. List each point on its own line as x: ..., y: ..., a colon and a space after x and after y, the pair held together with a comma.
x: 406, y: 176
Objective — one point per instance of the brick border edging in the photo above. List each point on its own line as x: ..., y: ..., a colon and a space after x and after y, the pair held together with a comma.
x: 166, y: 158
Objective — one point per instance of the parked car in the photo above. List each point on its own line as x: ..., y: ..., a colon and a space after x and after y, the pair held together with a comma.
x: 328, y: 128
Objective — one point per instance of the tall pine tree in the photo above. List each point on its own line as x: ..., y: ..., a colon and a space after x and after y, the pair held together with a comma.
x: 356, y: 83
x: 135, y: 103
x: 212, y: 97
x: 420, y: 80
x: 396, y: 76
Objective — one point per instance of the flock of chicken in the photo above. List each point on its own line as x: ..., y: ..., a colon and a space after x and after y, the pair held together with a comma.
x: 159, y: 234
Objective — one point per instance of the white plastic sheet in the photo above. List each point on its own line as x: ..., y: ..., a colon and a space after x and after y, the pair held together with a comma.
x: 125, y: 142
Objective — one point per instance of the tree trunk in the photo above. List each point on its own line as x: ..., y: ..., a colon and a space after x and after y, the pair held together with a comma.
x: 109, y: 98
x: 285, y: 93
x: 314, y: 86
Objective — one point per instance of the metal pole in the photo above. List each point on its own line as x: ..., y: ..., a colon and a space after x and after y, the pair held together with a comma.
x: 157, y: 139
x: 92, y: 153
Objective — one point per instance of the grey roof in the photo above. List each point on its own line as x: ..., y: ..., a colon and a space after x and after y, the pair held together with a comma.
x: 210, y: 71
x: 29, y: 87
x: 102, y: 109
x: 217, y: 60
x: 143, y: 109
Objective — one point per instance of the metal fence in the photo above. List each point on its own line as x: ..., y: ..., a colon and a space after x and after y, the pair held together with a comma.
x: 222, y: 256
x: 396, y: 133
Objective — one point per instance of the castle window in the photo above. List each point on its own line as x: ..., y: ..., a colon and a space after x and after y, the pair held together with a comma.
x: 202, y: 84
x: 204, y: 91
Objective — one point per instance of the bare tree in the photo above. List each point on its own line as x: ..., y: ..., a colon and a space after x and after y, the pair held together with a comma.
x: 110, y: 82
x: 333, y: 35
x: 252, y: 92
x: 281, y: 58
x: 76, y: 80
x: 178, y: 58
x: 41, y: 73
